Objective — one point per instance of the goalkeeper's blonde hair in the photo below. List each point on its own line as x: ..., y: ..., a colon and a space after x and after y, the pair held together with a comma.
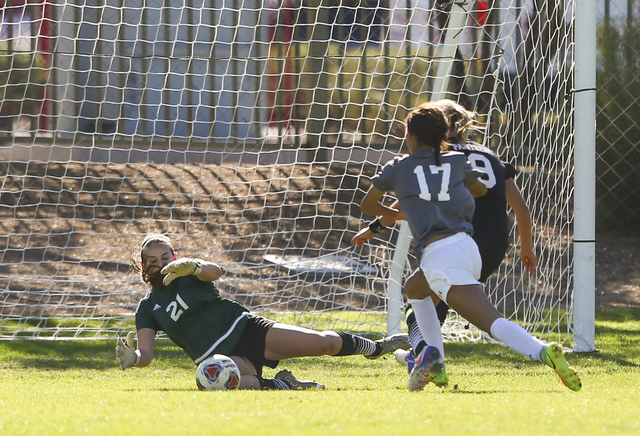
x: 461, y: 120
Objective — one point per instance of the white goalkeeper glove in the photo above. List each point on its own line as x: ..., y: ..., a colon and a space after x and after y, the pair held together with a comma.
x: 181, y: 267
x: 125, y: 352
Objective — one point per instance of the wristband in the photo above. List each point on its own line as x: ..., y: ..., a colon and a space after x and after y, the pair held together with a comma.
x: 375, y: 226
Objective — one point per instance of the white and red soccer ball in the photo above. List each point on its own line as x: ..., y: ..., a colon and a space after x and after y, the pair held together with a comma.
x: 217, y: 373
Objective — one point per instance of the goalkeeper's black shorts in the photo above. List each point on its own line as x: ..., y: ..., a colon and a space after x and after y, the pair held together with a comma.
x: 252, y: 343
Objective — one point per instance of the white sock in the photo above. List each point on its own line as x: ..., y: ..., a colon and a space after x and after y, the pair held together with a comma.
x: 517, y: 338
x: 427, y: 319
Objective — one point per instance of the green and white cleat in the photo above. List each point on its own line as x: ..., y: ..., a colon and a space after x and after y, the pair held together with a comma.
x: 438, y: 375
x: 553, y: 355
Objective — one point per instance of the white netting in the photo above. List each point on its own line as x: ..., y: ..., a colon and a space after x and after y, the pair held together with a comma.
x: 247, y: 131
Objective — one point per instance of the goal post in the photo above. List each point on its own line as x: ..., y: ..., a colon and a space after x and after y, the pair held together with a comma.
x: 585, y: 179
x: 248, y: 131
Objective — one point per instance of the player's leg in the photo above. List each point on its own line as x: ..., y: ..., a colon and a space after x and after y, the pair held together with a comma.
x: 285, y: 341
x: 471, y: 302
x: 422, y: 321
x: 437, y: 374
x: 249, y: 355
x: 450, y: 261
x: 425, y: 334
x: 248, y: 376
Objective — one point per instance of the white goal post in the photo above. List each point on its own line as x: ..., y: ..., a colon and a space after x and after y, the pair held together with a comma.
x: 247, y: 131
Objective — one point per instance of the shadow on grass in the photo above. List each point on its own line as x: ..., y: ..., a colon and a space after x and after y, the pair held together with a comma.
x: 617, y: 337
x: 67, y: 355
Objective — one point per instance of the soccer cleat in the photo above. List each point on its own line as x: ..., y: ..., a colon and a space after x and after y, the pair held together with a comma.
x: 553, y: 355
x: 405, y: 358
x: 438, y: 375
x: 390, y: 344
x: 419, y: 376
x: 286, y: 376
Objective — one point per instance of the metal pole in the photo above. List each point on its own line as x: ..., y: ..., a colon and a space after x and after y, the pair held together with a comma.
x: 585, y: 177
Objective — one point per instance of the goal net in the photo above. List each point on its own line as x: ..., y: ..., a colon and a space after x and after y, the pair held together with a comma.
x: 247, y: 131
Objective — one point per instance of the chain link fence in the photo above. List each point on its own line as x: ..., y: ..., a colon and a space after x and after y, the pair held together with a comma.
x: 618, y: 117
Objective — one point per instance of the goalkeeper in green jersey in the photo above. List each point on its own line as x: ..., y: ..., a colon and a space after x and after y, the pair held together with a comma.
x: 186, y: 305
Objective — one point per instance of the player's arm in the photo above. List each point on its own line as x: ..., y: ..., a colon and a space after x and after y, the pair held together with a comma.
x: 478, y: 189
x: 523, y: 219
x: 146, y: 341
x: 473, y: 182
x: 204, y: 270
x: 376, y: 226
x: 371, y: 205
x: 128, y: 355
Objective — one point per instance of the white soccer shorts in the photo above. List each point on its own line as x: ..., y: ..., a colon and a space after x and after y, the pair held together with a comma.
x: 451, y: 261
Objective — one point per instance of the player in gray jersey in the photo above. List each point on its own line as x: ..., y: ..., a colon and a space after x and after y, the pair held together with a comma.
x: 490, y: 223
x: 185, y: 304
x: 431, y: 188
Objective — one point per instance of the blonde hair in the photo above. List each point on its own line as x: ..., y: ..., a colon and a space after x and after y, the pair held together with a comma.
x: 461, y: 120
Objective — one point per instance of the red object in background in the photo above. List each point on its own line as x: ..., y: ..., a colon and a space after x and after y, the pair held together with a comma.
x: 483, y: 11
x: 280, y: 82
x: 41, y: 16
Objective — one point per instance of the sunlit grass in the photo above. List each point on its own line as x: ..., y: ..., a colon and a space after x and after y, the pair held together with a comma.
x: 72, y: 387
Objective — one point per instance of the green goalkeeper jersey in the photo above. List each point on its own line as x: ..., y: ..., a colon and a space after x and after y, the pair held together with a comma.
x: 194, y: 316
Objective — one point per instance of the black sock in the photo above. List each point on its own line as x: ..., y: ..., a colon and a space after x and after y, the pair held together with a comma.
x: 415, y: 336
x: 442, y: 310
x: 353, y: 344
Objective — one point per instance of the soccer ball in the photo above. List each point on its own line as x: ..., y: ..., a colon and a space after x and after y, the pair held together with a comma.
x: 217, y: 373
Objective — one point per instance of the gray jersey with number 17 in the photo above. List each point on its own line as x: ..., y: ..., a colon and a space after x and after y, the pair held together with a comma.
x: 434, y: 199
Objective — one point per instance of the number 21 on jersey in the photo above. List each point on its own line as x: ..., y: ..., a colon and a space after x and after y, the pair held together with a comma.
x: 443, y: 190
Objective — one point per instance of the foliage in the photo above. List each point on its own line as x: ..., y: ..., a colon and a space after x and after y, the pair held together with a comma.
x: 618, y: 125
x: 23, y: 76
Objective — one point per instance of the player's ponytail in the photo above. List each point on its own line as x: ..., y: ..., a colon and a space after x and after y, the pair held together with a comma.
x: 460, y: 120
x: 429, y: 126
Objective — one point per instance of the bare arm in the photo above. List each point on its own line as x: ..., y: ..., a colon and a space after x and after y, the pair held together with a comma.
x: 372, y: 201
x: 478, y: 189
x: 210, y: 271
x: 371, y: 205
x: 385, y: 221
x: 146, y: 341
x: 523, y: 219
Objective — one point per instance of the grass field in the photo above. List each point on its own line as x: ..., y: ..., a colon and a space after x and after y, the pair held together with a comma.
x: 75, y: 387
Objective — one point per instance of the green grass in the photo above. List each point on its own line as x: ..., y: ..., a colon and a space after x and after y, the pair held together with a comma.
x: 73, y: 387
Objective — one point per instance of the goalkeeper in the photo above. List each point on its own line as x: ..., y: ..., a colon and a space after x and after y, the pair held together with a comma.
x: 185, y: 304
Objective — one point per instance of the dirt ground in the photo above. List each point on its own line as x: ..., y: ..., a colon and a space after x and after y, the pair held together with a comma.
x: 50, y: 215
x: 617, y: 271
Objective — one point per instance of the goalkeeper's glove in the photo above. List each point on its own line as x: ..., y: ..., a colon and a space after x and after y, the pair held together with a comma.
x: 181, y: 267
x: 125, y: 352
